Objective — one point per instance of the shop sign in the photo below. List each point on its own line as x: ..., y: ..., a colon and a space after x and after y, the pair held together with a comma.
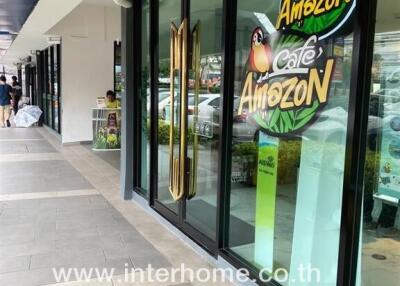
x: 289, y: 73
x: 315, y: 17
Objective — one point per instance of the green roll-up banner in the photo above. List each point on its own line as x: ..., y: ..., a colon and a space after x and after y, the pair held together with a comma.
x: 265, y: 201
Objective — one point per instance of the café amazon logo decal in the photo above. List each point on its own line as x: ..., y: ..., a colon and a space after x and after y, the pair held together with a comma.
x: 289, y: 74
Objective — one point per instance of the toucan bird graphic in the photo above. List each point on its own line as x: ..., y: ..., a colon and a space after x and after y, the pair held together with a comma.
x: 260, y: 58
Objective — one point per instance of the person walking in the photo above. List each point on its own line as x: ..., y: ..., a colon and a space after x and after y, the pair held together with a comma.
x: 17, y: 93
x: 5, y: 102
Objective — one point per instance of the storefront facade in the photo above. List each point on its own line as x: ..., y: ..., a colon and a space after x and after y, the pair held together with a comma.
x: 250, y: 126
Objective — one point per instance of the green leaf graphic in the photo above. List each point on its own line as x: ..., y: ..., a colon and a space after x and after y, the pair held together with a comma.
x: 317, y: 24
x: 274, y: 117
x: 307, y: 111
x: 260, y: 121
x: 304, y: 121
x: 286, y: 119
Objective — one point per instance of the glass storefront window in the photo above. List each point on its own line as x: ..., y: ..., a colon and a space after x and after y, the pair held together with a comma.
x: 56, y: 102
x: 380, y: 249
x: 145, y: 98
x: 169, y: 12
x: 292, y: 88
x: 203, y: 116
x: 50, y: 90
x: 44, y: 74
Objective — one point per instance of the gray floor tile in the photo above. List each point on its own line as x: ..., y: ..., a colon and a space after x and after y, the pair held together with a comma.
x: 29, y: 248
x: 21, y: 204
x: 74, y: 225
x: 20, y: 133
x: 16, y: 230
x: 17, y: 238
x: 69, y: 258
x: 119, y: 265
x: 28, y: 278
x: 14, y: 264
x: 156, y: 261
x: 122, y: 226
x: 113, y: 158
x: 137, y: 249
x: 41, y: 176
x: 83, y: 232
x: 65, y: 234
x: 26, y: 146
x: 80, y: 243
x: 131, y: 236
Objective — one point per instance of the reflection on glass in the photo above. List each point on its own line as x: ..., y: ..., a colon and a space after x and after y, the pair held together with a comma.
x: 168, y: 13
x: 43, y: 70
x: 55, y: 88
x: 203, y: 116
x: 380, y: 256
x: 49, y: 87
x: 145, y: 99
x: 286, y: 184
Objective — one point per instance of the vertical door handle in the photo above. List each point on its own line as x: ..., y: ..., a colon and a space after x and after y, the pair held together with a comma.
x: 174, y: 66
x: 178, y: 62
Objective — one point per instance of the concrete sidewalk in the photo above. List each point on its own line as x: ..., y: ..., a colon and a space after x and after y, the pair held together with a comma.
x: 60, y: 208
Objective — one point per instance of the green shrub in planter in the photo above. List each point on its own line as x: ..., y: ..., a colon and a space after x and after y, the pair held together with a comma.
x: 244, y: 160
x: 163, y: 134
x: 371, y: 180
x: 245, y: 149
x: 288, y: 159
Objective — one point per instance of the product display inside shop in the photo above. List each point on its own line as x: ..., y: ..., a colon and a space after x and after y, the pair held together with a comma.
x: 107, y: 123
x: 106, y: 129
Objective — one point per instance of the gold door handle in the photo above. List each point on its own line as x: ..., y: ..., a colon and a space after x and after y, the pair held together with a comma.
x: 174, y: 66
x: 178, y: 54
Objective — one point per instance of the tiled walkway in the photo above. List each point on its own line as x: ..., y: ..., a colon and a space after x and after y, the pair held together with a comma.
x: 60, y: 207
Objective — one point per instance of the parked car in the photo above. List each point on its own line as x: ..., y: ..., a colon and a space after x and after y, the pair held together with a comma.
x: 243, y: 129
x: 394, y: 77
x: 163, y: 99
x: 207, y: 103
x: 205, y: 107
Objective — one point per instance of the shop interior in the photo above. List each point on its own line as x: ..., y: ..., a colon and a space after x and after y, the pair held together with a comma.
x: 380, y: 258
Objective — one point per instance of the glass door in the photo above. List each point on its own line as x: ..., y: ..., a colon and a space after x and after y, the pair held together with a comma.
x: 50, y: 115
x: 56, y: 95
x: 188, y: 104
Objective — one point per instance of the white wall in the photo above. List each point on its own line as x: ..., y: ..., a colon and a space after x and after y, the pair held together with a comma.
x: 87, y: 50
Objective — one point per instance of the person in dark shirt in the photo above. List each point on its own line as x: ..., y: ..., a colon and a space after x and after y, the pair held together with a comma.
x: 17, y: 93
x: 5, y: 102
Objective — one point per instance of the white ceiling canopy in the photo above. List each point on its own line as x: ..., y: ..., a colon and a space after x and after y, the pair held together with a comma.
x: 33, y: 36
